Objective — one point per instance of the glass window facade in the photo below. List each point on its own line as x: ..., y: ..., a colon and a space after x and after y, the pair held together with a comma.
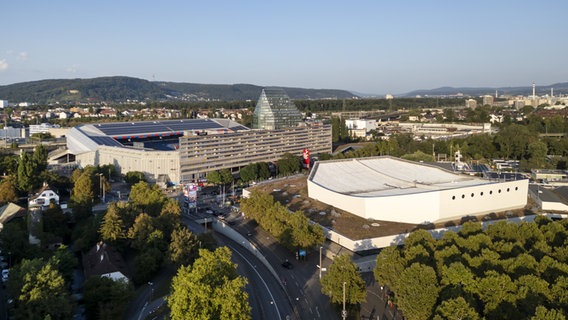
x: 274, y: 110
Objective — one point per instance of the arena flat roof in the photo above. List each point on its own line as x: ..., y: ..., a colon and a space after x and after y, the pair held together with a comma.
x: 386, y: 176
x: 87, y: 137
x: 117, y: 129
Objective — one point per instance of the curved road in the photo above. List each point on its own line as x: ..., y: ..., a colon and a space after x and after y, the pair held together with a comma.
x: 267, y: 298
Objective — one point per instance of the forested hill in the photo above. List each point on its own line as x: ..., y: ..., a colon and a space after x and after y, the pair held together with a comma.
x: 121, y: 89
x: 540, y: 90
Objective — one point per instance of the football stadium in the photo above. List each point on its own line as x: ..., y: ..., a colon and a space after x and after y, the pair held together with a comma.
x: 179, y: 151
x: 391, y: 189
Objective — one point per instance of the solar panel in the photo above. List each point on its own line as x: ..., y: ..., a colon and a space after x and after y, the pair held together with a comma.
x: 106, y: 141
x: 150, y: 127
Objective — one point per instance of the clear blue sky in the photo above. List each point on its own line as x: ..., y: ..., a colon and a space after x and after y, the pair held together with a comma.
x: 365, y: 46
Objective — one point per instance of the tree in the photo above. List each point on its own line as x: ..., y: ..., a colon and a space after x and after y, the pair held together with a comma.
x: 8, y: 191
x: 146, y: 264
x: 141, y: 231
x: 44, y: 292
x: 513, y: 141
x: 542, y: 313
x: 249, y: 172
x: 65, y: 262
x: 170, y: 218
x: 417, y: 291
x: 343, y: 270
x: 55, y: 223
x: 82, y: 195
x: 209, y: 289
x: 26, y: 178
x: 389, y: 266
x: 146, y: 198
x: 288, y: 164
x: 456, y: 308
x: 263, y: 171
x: 183, y: 248
x: 14, y: 239
x: 105, y: 298
x: 304, y: 235
x: 537, y: 152
x: 134, y: 177
x: 214, y: 177
x: 112, y: 228
x: 39, y: 158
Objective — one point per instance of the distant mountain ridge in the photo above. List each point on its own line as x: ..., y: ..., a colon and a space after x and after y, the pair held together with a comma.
x: 121, y: 89
x: 559, y: 88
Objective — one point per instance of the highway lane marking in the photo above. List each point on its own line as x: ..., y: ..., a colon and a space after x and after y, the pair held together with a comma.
x: 261, y: 279
x: 317, y: 311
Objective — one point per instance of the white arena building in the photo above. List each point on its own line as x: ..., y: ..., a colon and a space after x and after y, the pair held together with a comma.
x: 392, y: 189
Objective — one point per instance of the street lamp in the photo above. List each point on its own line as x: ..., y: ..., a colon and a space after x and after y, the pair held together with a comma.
x: 344, y: 312
x: 102, y: 187
x: 321, y: 266
x: 151, y: 289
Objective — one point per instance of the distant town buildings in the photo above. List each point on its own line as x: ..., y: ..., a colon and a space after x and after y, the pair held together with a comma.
x: 360, y: 128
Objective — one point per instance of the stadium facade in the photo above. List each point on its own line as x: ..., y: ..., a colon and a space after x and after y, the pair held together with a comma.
x: 392, y: 189
x: 186, y: 149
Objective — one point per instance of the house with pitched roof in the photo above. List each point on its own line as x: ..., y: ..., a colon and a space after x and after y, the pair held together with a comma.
x: 104, y: 261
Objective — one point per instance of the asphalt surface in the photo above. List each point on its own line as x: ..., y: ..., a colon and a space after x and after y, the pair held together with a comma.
x: 267, y: 298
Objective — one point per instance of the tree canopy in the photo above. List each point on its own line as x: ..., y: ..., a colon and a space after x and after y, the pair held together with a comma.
x: 343, y: 270
x: 507, y: 271
x: 293, y: 230
x: 209, y: 289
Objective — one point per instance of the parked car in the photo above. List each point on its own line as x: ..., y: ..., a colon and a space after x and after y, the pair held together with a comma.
x: 5, y: 274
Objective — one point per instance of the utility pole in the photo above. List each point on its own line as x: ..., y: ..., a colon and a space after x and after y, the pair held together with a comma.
x: 344, y: 312
x: 321, y: 266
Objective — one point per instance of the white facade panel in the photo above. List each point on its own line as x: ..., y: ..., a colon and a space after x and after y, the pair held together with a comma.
x: 425, y: 202
x: 494, y: 197
x: 412, y: 208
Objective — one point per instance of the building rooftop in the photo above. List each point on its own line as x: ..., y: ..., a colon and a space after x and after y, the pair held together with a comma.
x: 88, y: 137
x: 386, y: 176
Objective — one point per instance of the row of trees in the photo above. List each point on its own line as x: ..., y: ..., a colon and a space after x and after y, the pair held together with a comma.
x: 507, y: 271
x: 512, y: 142
x: 292, y: 229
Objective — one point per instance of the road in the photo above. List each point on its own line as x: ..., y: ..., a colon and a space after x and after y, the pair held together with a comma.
x: 302, y: 282
x: 267, y: 298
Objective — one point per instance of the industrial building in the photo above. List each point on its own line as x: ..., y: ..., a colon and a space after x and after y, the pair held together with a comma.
x: 392, y: 189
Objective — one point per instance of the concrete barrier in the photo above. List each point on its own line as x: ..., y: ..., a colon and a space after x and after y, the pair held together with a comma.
x: 224, y: 229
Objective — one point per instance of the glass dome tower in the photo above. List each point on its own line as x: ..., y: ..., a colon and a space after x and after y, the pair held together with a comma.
x: 274, y: 110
